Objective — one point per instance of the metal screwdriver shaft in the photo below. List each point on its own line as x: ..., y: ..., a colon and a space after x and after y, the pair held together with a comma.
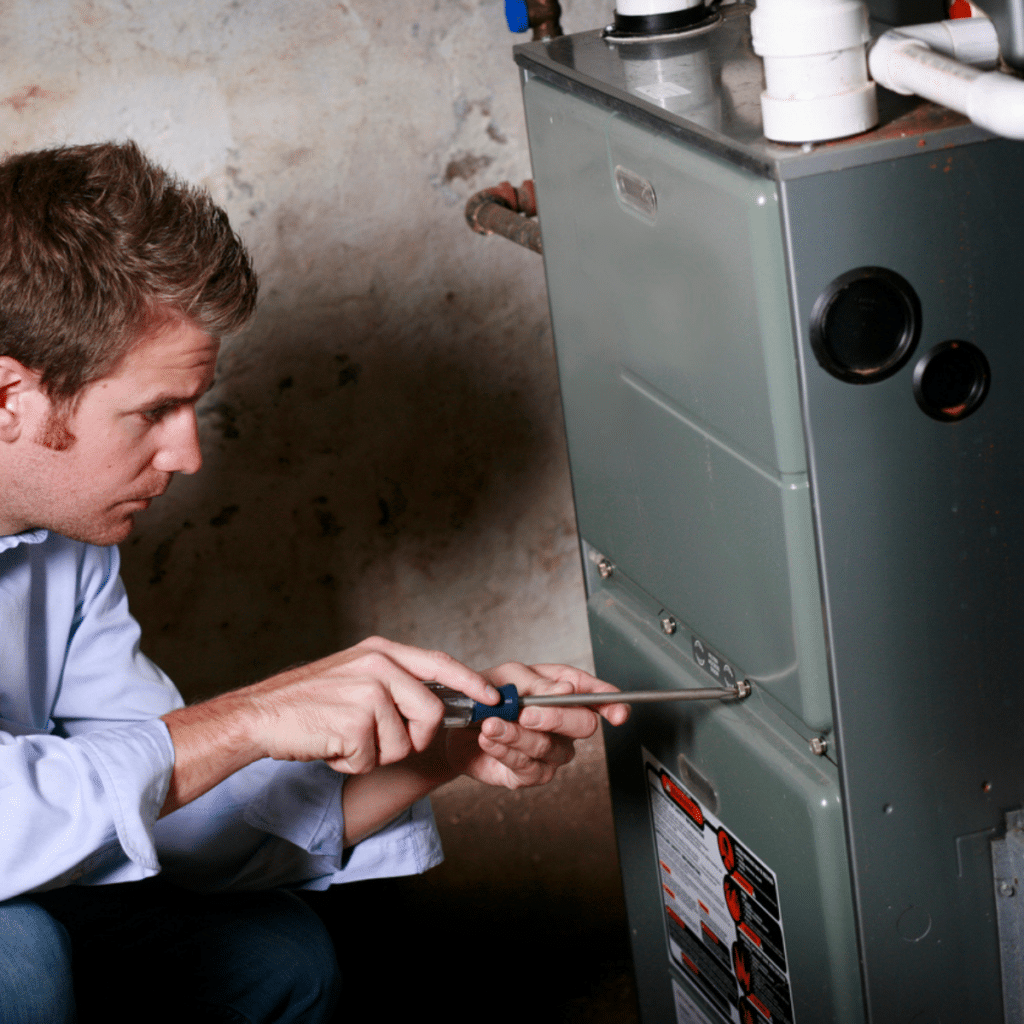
x: 571, y: 700
x: 461, y: 710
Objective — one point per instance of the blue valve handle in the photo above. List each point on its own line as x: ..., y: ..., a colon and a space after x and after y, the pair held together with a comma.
x: 517, y: 15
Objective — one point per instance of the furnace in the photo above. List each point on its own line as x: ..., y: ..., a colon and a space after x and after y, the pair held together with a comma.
x: 792, y: 379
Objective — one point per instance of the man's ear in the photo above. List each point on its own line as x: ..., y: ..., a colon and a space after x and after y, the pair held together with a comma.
x: 18, y: 387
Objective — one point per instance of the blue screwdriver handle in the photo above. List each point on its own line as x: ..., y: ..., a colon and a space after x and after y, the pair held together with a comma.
x: 507, y: 707
x: 460, y: 710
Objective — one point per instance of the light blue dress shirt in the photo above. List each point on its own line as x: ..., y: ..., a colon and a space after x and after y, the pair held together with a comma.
x: 85, y: 761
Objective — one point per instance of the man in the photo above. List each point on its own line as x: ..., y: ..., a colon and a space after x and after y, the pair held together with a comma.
x: 116, y: 283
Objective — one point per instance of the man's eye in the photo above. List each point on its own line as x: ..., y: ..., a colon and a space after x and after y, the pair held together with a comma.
x: 157, y: 414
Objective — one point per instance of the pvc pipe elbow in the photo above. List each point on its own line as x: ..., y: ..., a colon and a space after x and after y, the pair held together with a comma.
x: 996, y: 101
x: 969, y: 40
x: 909, y: 67
x: 902, y: 61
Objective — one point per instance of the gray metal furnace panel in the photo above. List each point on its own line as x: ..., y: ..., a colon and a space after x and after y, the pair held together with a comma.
x: 770, y: 790
x: 679, y: 384
x: 923, y: 561
x: 689, y: 299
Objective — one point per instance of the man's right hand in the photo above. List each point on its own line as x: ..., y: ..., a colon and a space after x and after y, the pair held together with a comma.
x: 360, y: 708
x: 357, y: 709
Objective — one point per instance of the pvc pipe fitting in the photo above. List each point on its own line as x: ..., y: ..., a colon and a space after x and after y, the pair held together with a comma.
x: 970, y: 40
x: 646, y: 8
x: 901, y: 60
x: 815, y: 69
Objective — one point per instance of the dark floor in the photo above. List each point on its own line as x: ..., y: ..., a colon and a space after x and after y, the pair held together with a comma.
x: 406, y: 948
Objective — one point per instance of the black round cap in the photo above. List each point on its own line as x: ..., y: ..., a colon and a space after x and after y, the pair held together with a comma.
x: 951, y: 381
x: 865, y: 325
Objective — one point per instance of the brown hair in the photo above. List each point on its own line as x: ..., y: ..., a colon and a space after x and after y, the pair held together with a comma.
x: 98, y: 247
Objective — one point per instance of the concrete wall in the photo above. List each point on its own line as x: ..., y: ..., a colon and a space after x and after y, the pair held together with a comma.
x: 383, y: 447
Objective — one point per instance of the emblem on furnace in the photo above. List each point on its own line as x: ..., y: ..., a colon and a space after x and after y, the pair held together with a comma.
x: 713, y: 663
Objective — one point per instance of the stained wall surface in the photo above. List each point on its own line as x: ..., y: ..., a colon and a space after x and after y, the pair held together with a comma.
x: 383, y: 447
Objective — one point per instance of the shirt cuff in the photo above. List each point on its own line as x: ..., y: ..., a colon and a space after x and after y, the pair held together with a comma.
x: 134, y: 763
x: 408, y: 846
x: 302, y: 804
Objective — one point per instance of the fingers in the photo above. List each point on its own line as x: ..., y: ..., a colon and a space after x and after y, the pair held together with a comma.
x: 402, y: 670
x: 530, y: 757
x: 539, y: 746
x: 396, y: 739
x: 582, y: 682
x: 421, y: 710
x: 433, y: 666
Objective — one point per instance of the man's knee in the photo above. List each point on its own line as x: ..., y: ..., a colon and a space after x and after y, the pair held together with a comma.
x: 265, y: 956
x: 35, y: 966
x: 304, y: 957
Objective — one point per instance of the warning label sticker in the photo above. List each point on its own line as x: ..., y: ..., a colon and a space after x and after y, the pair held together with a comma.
x: 687, y: 1011
x: 721, y: 903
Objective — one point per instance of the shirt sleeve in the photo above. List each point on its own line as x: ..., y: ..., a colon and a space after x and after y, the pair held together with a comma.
x: 74, y: 808
x: 105, y: 677
x: 80, y: 804
x: 281, y: 823
x: 78, y: 796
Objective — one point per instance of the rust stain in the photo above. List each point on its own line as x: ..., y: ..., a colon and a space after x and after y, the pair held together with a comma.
x: 466, y: 166
x: 23, y: 97
x: 924, y: 118
x: 295, y: 157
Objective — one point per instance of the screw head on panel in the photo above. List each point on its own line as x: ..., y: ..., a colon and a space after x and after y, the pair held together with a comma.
x: 819, y: 746
x: 1007, y: 889
x: 668, y: 625
x: 604, y: 567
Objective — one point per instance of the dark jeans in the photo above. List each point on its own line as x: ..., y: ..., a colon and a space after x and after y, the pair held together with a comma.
x: 150, y: 951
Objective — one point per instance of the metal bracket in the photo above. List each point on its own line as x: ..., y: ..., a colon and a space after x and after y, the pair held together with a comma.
x: 1008, y: 878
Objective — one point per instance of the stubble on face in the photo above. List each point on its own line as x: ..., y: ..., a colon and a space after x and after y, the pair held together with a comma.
x: 55, y: 433
x: 93, y: 465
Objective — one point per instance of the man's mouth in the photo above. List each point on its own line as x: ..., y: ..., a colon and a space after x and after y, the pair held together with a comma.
x: 145, y: 500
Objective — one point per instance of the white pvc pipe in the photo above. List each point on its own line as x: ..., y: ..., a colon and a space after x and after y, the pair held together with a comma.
x: 645, y: 8
x: 815, y: 69
x: 901, y: 60
x: 969, y: 40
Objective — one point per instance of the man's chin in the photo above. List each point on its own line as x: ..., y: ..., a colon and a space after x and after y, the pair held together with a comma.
x: 118, y: 532
x: 104, y: 536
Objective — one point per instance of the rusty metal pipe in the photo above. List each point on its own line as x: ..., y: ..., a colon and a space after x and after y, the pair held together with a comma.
x: 544, y: 18
x: 506, y: 210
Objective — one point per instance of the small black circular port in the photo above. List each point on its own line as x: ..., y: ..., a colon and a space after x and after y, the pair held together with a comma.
x: 951, y: 381
x: 865, y: 325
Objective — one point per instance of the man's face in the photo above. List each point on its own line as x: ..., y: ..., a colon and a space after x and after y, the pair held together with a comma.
x: 133, y: 430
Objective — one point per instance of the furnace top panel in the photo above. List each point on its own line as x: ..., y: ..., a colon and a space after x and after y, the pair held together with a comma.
x: 705, y: 87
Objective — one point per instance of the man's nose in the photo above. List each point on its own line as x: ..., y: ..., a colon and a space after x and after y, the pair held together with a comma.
x: 179, y: 443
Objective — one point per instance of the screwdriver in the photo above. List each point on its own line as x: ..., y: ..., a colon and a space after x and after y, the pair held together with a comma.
x: 460, y: 710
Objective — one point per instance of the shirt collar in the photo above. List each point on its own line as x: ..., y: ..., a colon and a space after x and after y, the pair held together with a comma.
x: 28, y: 537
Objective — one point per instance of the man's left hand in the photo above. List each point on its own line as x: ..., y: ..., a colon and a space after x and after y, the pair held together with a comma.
x: 530, y: 751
